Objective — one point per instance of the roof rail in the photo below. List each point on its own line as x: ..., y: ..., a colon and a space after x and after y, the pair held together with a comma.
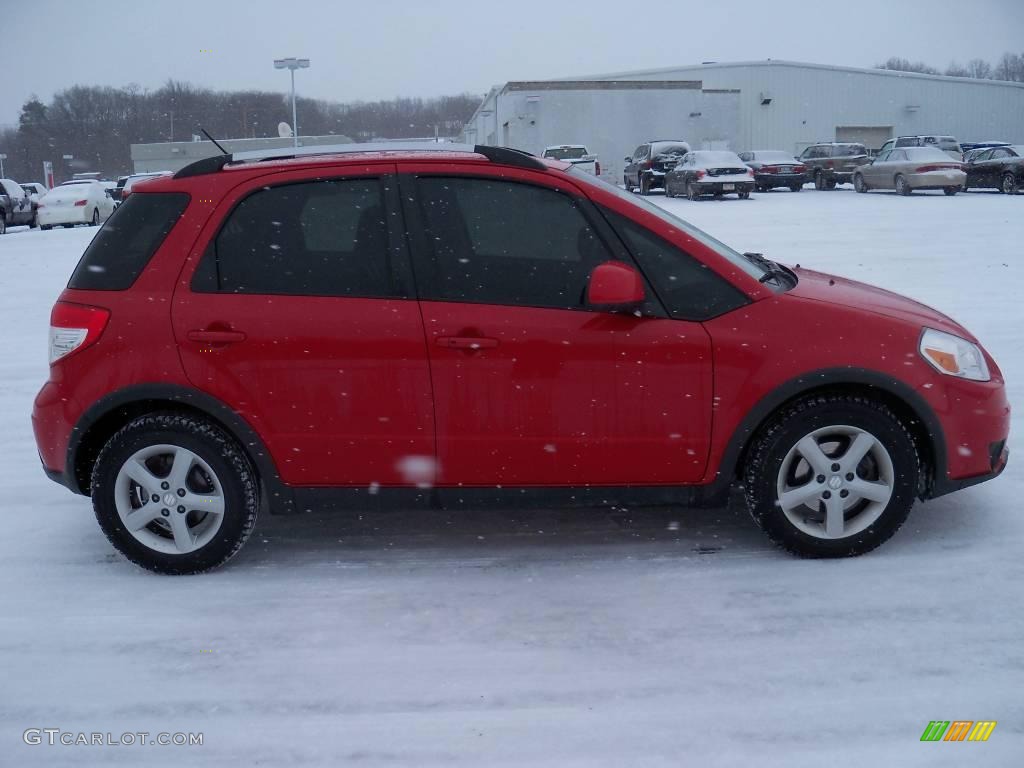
x: 501, y: 155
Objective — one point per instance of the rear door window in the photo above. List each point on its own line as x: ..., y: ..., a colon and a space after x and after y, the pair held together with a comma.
x: 127, y: 241
x: 318, y: 238
x: 499, y: 242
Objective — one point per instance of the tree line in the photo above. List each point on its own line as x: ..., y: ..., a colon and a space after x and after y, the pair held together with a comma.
x: 97, y: 124
x: 1010, y: 66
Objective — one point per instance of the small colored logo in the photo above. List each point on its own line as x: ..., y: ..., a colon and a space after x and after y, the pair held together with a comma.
x: 958, y: 730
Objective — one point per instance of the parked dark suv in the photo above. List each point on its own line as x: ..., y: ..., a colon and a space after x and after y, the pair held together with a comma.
x: 646, y: 168
x: 831, y: 163
x: 466, y: 326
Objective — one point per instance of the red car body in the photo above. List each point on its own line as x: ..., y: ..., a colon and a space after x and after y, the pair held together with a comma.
x: 333, y: 394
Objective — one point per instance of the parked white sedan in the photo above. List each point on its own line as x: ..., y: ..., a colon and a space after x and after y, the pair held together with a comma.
x: 76, y: 202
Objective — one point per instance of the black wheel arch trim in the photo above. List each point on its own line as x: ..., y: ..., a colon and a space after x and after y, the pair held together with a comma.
x: 937, y: 484
x: 281, y: 495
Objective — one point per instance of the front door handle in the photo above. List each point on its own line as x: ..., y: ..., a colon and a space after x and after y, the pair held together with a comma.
x: 468, y: 343
x: 216, y: 336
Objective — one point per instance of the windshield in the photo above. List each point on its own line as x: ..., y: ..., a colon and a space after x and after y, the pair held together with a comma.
x: 734, y: 256
x: 717, y: 158
x: 566, y: 153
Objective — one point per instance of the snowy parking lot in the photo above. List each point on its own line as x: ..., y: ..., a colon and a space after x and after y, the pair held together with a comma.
x: 583, y: 638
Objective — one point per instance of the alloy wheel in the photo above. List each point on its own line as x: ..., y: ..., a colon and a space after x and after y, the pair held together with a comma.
x: 835, y: 482
x: 169, y: 499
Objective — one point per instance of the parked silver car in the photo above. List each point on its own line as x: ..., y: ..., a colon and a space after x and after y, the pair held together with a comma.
x: 910, y: 168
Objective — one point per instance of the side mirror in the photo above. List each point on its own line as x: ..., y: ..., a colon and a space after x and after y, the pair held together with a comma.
x: 628, y: 159
x: 615, y: 286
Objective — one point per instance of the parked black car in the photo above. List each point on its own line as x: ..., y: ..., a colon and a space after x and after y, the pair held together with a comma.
x: 999, y: 168
x: 647, y: 167
x: 709, y: 172
x: 831, y: 162
x: 775, y: 168
x: 15, y: 206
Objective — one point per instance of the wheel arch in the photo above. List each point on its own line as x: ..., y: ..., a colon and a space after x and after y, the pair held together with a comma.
x: 107, y: 415
x: 912, y: 409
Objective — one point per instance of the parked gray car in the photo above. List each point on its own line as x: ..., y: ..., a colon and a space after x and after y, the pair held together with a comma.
x: 910, y: 168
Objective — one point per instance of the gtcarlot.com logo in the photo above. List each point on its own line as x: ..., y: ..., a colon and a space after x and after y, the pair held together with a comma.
x: 958, y: 730
x: 55, y: 736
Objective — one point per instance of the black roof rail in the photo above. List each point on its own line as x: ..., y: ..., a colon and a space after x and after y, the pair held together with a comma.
x: 503, y: 155
x: 203, y: 166
x: 509, y: 156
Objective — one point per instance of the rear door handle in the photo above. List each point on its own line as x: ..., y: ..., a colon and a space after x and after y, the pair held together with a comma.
x: 216, y: 337
x: 468, y: 343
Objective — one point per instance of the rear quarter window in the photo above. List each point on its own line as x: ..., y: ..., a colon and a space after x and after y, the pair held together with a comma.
x: 127, y: 241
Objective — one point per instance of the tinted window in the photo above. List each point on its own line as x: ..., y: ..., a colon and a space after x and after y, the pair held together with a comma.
x: 849, y: 150
x: 566, y: 153
x: 498, y: 242
x: 321, y: 238
x: 669, y: 148
x: 688, y: 289
x: 127, y: 241
x: 998, y: 153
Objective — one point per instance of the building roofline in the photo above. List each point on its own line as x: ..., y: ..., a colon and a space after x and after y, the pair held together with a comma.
x: 801, y: 65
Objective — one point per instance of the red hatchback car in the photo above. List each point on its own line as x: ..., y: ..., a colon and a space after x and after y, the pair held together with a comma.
x: 472, y: 325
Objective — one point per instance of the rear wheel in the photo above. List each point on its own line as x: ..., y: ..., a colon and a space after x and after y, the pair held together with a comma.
x: 3, y: 225
x: 95, y: 217
x: 46, y: 227
x: 902, y: 187
x: 796, y: 187
x: 832, y: 476
x: 1009, y: 185
x: 645, y: 185
x: 950, y: 191
x: 35, y: 221
x: 831, y: 184
x: 174, y: 493
x: 858, y: 183
x: 668, y: 188
x: 744, y: 194
x: 692, y: 192
x: 819, y: 180
x: 625, y: 183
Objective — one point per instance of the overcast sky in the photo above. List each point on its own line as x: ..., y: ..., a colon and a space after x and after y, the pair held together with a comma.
x: 387, y: 48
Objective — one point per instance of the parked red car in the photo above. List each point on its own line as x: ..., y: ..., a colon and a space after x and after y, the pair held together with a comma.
x: 476, y: 325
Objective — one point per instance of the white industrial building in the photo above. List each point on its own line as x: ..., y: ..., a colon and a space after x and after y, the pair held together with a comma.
x: 746, y: 105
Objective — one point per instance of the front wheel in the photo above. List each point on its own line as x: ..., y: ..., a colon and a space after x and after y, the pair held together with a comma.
x: 174, y: 493
x: 858, y: 183
x: 45, y: 227
x: 1009, y: 185
x: 902, y: 187
x: 626, y: 184
x: 832, y: 476
x: 645, y: 185
x: 950, y: 191
x: 692, y: 192
x: 819, y: 181
x: 796, y: 187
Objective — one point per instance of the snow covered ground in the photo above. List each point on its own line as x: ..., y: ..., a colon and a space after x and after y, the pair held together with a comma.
x: 557, y: 638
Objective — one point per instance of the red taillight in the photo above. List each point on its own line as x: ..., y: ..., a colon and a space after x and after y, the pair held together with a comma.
x: 799, y: 168
x: 81, y: 202
x: 597, y: 168
x: 74, y: 327
x: 701, y: 174
x: 648, y: 164
x: 750, y: 171
x: 768, y: 169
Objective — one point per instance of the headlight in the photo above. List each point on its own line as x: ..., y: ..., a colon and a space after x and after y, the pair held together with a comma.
x: 953, y: 356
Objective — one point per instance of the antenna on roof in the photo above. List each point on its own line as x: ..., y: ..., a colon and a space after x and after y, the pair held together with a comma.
x: 207, y: 135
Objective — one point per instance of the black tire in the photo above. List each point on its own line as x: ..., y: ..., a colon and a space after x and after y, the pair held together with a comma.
x: 744, y: 194
x: 35, y: 221
x: 668, y: 190
x: 3, y: 225
x: 796, y: 187
x: 774, y: 442
x: 858, y: 184
x: 819, y: 181
x: 46, y: 227
x: 1009, y: 184
x: 223, y: 455
x: 902, y: 188
x: 645, y: 185
x: 625, y: 183
x: 950, y: 191
x: 831, y: 184
x: 692, y: 192
x: 95, y: 222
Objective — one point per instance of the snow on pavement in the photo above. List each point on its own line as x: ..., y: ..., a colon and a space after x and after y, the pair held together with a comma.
x: 584, y: 638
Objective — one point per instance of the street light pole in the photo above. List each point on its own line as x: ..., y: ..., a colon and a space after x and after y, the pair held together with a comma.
x: 293, y: 64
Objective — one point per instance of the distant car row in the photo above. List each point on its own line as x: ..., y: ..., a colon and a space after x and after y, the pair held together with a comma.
x: 904, y: 164
x: 79, y: 201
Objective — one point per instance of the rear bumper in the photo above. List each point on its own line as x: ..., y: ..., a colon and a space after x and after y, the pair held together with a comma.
x: 718, y: 187
x: 936, y: 179
x: 780, y: 179
x: 48, y: 216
